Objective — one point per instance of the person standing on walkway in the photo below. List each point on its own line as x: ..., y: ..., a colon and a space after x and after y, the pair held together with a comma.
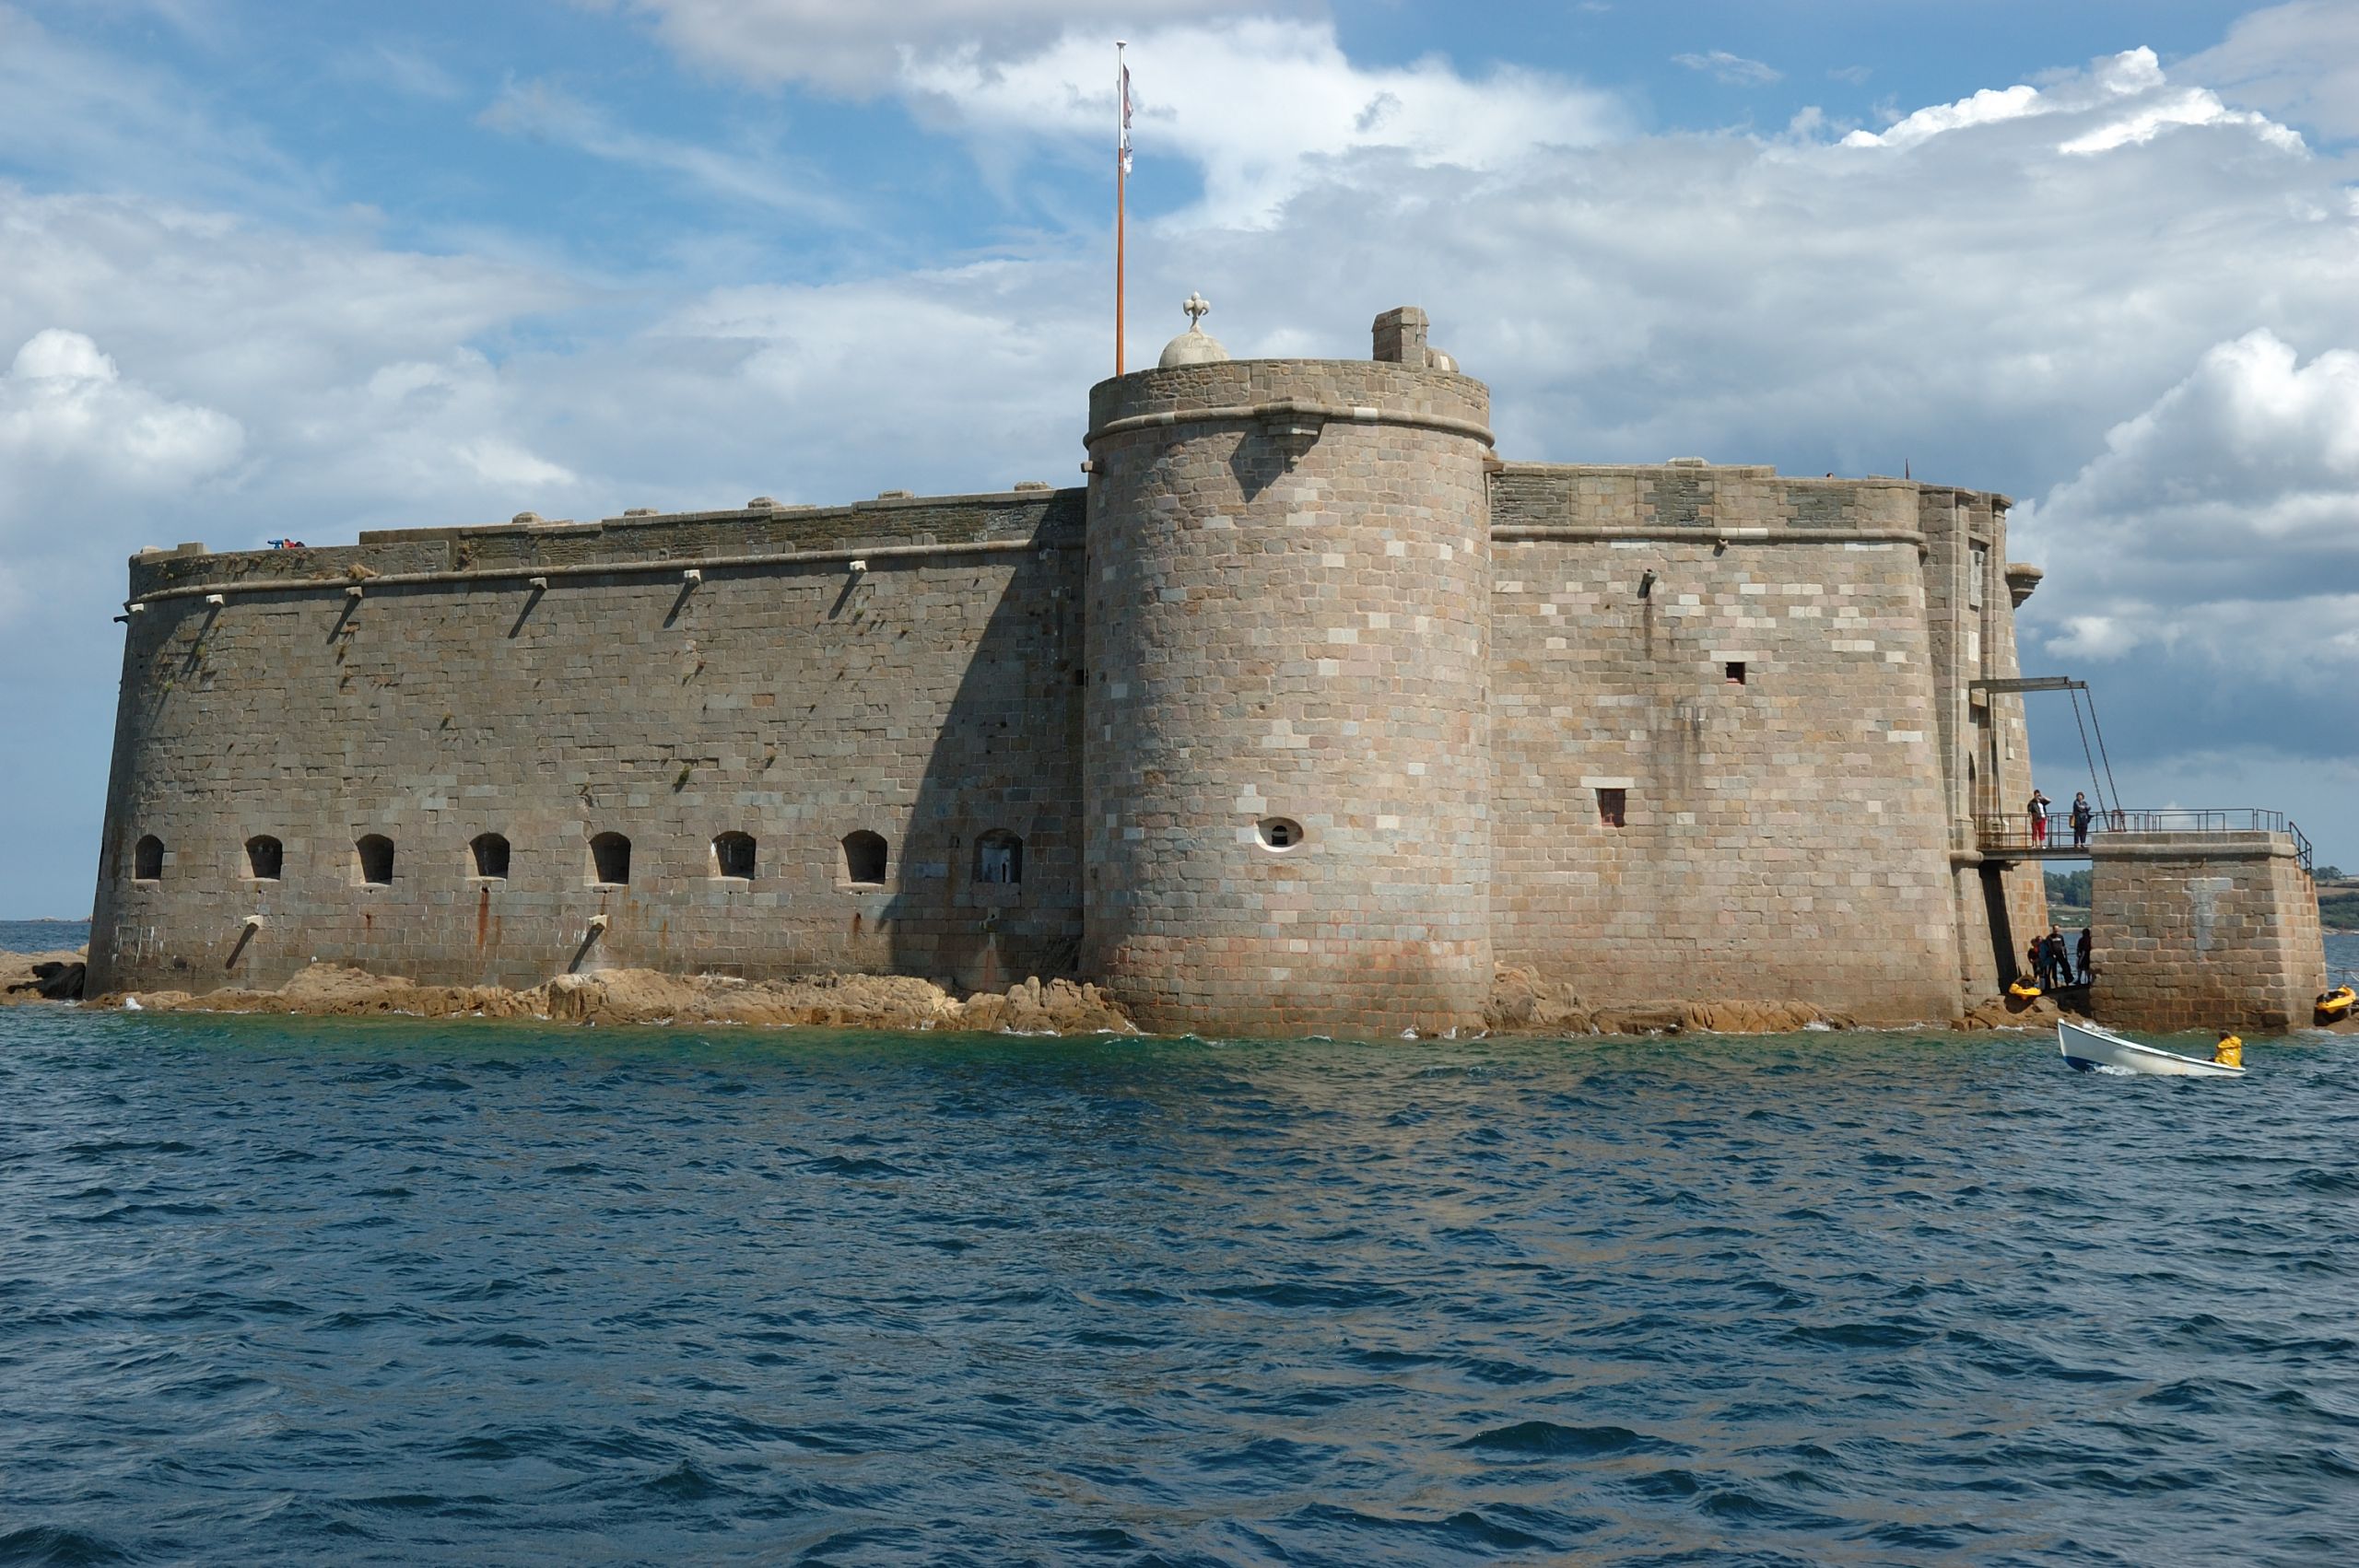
x: 2036, y: 809
x: 2081, y: 816
x: 2088, y: 973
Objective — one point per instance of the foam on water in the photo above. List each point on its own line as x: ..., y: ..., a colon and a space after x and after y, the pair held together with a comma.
x: 291, y: 1291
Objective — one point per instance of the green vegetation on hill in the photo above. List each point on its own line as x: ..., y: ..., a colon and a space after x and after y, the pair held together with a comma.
x: 2337, y: 897
x: 2069, y: 887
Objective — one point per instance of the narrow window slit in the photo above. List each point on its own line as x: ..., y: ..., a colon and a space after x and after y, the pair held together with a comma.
x: 490, y: 852
x: 999, y: 857
x: 265, y: 858
x: 733, y: 855
x: 375, y: 853
x: 610, y: 860
x: 865, y: 858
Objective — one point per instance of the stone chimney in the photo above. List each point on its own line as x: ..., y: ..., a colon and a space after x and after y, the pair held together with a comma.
x: 1400, y: 337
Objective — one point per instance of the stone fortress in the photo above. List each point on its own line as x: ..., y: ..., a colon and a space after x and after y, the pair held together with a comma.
x: 1307, y: 714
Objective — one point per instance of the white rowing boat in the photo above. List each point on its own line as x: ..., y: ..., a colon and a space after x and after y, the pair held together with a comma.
x: 2087, y: 1048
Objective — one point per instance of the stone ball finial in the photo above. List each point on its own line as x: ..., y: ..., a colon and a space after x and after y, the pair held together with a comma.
x: 1193, y: 346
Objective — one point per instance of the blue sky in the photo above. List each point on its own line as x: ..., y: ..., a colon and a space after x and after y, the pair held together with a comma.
x: 269, y: 269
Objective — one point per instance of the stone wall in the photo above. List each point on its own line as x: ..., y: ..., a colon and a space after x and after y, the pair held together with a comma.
x: 549, y: 683
x: 1288, y: 581
x: 1766, y: 708
x: 2211, y: 930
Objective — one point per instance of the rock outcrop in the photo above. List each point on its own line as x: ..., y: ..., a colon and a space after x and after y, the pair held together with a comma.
x: 2013, y: 1013
x: 646, y: 996
x: 41, y: 977
x: 1522, y: 1003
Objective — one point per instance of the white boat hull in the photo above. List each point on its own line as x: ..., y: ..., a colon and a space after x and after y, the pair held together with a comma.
x: 2087, y: 1048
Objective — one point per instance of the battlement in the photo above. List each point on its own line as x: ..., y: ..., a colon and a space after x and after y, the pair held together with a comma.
x: 642, y: 541
x: 1688, y: 496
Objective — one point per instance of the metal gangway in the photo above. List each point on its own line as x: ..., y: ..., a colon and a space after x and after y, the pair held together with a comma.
x: 2051, y: 836
x: 2012, y: 836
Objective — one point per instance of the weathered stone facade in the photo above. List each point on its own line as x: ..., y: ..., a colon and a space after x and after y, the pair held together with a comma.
x: 550, y: 683
x: 1289, y: 619
x: 2205, y: 930
x: 1303, y: 714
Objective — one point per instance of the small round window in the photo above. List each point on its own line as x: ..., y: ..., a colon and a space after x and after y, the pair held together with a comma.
x: 1279, y: 832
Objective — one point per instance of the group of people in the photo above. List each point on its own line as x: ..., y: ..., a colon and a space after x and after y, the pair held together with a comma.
x: 2080, y: 817
x: 2056, y: 964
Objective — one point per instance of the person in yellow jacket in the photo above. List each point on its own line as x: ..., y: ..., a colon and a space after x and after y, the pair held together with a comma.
x: 2230, y: 1051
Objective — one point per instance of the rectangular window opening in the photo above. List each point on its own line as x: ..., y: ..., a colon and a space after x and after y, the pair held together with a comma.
x: 1611, y: 806
x: 1734, y: 670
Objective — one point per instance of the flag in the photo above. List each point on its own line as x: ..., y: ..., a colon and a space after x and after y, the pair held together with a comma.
x: 1124, y: 146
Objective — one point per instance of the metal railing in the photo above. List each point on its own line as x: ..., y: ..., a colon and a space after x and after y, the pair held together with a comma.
x: 2020, y: 831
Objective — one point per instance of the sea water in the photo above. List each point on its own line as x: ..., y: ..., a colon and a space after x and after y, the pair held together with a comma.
x: 295, y: 1290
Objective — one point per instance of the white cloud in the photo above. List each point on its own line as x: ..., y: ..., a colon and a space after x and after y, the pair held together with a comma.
x: 1986, y: 107
x: 863, y: 48
x: 2203, y: 572
x: 96, y: 120
x: 2218, y: 520
x: 542, y: 110
x: 2298, y: 61
x: 1263, y: 107
x: 1733, y: 69
x: 510, y: 466
x: 2124, y: 102
x: 63, y: 402
x: 78, y: 442
x: 214, y: 381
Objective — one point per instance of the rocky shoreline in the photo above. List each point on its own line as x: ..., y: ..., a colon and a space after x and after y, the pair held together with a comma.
x: 41, y: 977
x: 1521, y: 1004
x: 896, y: 1003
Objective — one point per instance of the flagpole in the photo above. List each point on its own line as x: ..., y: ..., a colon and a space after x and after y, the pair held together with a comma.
x: 1121, y: 176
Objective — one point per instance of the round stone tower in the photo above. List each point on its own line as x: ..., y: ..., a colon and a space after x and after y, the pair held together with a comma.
x: 1288, y: 773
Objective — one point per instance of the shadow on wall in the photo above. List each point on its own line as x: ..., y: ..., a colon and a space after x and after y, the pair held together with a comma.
x: 987, y: 883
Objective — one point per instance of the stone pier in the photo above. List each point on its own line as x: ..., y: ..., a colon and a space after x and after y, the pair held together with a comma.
x: 2204, y: 931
